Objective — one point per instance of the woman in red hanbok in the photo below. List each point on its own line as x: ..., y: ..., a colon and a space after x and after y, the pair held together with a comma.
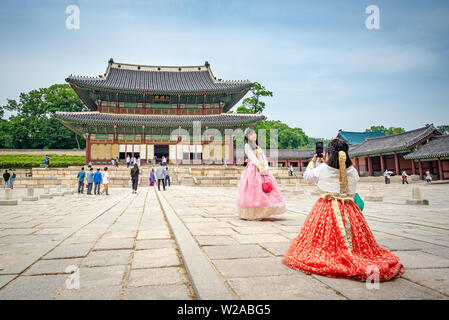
x: 335, y: 239
x: 252, y: 201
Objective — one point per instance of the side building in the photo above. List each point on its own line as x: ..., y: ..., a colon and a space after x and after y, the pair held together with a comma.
x: 390, y: 152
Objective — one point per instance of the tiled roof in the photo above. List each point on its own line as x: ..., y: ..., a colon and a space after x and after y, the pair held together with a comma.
x: 352, y: 138
x: 301, y: 154
x: 132, y: 119
x: 391, y: 143
x: 437, y: 147
x: 159, y: 79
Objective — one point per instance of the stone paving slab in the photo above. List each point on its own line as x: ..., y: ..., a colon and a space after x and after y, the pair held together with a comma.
x: 171, y: 292
x: 32, y: 287
x: 284, y: 287
x: 156, y: 277
x: 235, y: 251
x: 58, y: 266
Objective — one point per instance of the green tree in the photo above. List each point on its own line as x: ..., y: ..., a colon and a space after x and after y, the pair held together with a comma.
x: 389, y: 131
x: 254, y: 104
x: 32, y: 127
x: 443, y: 129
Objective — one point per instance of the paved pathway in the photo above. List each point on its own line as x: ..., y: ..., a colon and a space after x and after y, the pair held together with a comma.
x: 247, y: 254
x: 122, y: 247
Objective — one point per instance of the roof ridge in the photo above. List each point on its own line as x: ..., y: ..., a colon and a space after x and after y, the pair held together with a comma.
x: 401, y: 133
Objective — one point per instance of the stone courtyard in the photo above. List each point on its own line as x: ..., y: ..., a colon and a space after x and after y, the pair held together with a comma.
x: 188, y: 243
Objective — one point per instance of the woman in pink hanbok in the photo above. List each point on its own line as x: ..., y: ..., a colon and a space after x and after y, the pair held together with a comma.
x: 252, y: 201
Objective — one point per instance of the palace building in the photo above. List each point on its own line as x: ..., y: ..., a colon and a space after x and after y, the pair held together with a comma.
x: 154, y: 111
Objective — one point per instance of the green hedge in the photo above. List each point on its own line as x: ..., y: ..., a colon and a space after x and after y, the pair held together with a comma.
x: 22, y: 161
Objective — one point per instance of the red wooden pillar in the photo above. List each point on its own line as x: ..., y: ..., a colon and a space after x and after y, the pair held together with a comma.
x: 231, y: 150
x: 382, y: 164
x: 87, y: 150
x: 396, y: 164
x: 300, y: 165
x: 413, y: 166
x: 440, y: 169
x: 370, y: 167
x: 421, y: 176
x: 357, y: 165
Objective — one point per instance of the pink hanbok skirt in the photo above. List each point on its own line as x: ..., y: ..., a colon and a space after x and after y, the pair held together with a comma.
x: 252, y: 201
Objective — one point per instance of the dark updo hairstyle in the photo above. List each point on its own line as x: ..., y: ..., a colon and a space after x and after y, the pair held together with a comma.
x: 332, y: 149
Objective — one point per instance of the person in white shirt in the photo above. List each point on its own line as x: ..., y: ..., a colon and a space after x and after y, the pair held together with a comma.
x: 128, y: 160
x: 335, y: 239
x: 105, y: 181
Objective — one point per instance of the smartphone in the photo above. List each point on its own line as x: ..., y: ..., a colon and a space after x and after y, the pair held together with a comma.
x: 319, y: 149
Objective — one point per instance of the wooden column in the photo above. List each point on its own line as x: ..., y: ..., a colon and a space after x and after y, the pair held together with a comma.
x: 300, y: 166
x: 87, y: 150
x: 413, y: 166
x: 357, y: 165
x: 370, y: 167
x: 396, y: 164
x: 440, y: 169
x: 382, y: 164
x: 421, y: 176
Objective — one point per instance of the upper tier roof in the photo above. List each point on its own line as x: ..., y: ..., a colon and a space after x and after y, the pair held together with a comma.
x: 159, y: 79
x: 392, y: 143
x: 352, y: 138
x: 437, y: 147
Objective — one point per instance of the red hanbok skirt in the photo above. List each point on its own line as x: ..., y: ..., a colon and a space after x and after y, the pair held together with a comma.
x: 320, y: 247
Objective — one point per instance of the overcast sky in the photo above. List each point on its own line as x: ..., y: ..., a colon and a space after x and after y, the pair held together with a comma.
x: 327, y: 71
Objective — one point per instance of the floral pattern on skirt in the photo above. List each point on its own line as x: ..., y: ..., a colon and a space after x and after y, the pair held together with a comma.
x: 320, y: 248
x: 252, y: 201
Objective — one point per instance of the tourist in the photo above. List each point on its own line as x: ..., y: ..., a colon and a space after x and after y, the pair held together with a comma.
x: 225, y: 163
x: 6, y: 177
x: 113, y: 163
x: 160, y: 175
x: 387, y: 176
x: 404, y: 177
x: 167, y: 177
x: 105, y: 181
x: 258, y: 194
x: 149, y: 163
x: 428, y: 177
x: 133, y: 160
x: 335, y: 239
x: 152, y: 178
x: 98, y: 178
x: 290, y: 170
x: 90, y: 180
x: 138, y: 162
x: 128, y: 160
x: 46, y: 161
x: 11, y: 179
x: 164, y: 160
x: 81, y: 176
x: 135, y: 177
x: 116, y: 162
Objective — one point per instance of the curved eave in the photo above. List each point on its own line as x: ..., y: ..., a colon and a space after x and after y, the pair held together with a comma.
x: 74, y: 123
x: 236, y: 89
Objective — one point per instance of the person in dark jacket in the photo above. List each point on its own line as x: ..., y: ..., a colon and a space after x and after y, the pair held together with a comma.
x: 6, y: 177
x: 167, y: 177
x: 135, y: 177
x: 97, y: 181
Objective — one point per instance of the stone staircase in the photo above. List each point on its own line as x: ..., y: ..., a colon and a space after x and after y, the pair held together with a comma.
x: 229, y: 176
x: 194, y: 175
